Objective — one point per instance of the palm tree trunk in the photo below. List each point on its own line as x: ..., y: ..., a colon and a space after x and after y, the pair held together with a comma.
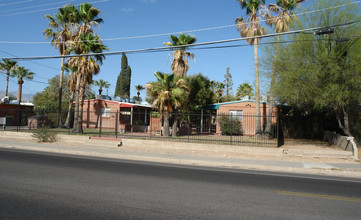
x: 20, y: 90
x: 175, y: 125
x: 100, y: 91
x: 166, y: 125
x: 258, y: 112
x: 271, y: 91
x: 60, y: 93
x: 81, y: 104
x: 7, y: 83
x: 76, y: 110
x: 67, y: 122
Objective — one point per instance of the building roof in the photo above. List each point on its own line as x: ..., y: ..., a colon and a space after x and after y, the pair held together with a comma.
x: 216, y: 105
x: 122, y: 104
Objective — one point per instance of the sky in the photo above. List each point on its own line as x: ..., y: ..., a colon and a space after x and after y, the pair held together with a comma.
x: 133, y: 21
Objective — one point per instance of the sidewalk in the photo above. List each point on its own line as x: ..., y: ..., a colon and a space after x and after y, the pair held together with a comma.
x: 306, y: 159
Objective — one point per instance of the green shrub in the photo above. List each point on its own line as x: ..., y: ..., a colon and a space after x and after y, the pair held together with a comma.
x: 43, y: 134
x: 231, y: 126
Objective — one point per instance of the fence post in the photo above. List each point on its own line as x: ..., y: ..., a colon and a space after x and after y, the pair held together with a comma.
x: 188, y: 123
x: 116, y: 124
x: 100, y: 125
x: 18, y: 122
x: 150, y: 125
x: 278, y: 132
x: 231, y: 129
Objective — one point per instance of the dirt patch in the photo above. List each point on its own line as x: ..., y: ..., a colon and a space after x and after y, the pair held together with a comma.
x: 308, y: 144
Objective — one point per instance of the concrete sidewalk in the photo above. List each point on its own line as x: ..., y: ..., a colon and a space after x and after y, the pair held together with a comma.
x: 309, y: 160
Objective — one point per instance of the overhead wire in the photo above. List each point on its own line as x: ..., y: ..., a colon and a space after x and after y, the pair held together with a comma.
x: 15, y: 3
x: 32, y: 61
x: 175, y: 47
x: 47, y: 9
x: 188, y: 31
x: 37, y: 6
x: 14, y: 81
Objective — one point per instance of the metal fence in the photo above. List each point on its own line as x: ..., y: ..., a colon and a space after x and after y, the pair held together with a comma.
x: 182, y: 127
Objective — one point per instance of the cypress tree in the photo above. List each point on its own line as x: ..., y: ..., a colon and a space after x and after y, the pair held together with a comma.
x: 122, y: 88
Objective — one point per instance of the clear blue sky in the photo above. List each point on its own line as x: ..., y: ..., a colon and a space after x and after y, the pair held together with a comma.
x: 129, y: 18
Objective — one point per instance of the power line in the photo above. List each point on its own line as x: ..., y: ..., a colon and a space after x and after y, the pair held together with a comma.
x: 46, y: 9
x: 36, y: 6
x: 189, y: 31
x: 174, y: 47
x: 10, y: 79
x: 40, y: 64
x: 14, y: 3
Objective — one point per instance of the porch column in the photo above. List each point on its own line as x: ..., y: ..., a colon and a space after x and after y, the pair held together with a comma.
x: 131, y: 116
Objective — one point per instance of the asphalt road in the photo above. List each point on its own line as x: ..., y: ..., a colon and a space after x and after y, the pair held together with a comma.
x: 43, y: 186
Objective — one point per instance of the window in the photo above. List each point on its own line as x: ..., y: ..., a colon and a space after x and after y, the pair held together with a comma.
x: 236, y: 114
x: 105, y: 112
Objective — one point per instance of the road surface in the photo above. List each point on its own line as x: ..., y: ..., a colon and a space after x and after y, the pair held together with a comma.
x: 47, y: 186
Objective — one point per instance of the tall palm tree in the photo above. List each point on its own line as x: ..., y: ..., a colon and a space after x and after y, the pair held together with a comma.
x: 139, y: 88
x: 251, y: 27
x: 87, y: 66
x: 180, y: 55
x: 84, y: 43
x: 20, y: 73
x: 168, y: 92
x: 60, y: 33
x: 7, y: 65
x: 101, y: 84
x: 281, y: 21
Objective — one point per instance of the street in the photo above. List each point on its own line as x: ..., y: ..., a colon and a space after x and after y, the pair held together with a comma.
x: 48, y: 186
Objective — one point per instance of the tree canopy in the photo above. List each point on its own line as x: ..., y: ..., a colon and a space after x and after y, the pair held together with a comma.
x: 122, y: 88
x: 323, y: 72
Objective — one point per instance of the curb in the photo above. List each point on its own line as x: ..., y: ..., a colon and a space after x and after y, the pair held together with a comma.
x: 227, y: 149
x: 193, y: 162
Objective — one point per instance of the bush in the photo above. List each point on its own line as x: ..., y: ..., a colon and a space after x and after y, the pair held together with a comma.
x: 231, y: 127
x: 43, y: 134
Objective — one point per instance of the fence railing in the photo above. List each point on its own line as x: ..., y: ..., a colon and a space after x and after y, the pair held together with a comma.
x: 182, y: 127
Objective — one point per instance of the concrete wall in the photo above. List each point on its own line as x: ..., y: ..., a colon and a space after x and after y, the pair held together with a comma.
x: 338, y: 140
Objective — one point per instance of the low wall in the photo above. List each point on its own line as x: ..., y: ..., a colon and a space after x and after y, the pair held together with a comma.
x: 338, y: 140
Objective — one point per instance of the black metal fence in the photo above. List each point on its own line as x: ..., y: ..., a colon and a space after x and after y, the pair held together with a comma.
x: 182, y: 127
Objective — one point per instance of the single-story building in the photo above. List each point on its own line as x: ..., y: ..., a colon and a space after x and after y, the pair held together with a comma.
x: 10, y: 113
x: 131, y: 116
x: 244, y: 111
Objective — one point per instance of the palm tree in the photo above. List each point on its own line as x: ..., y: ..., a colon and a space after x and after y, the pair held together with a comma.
x: 87, y: 66
x: 168, y: 92
x: 180, y: 55
x: 281, y: 21
x: 250, y: 28
x: 88, y: 17
x: 72, y: 87
x: 21, y: 73
x: 59, y: 31
x: 219, y: 90
x: 85, y: 42
x: 7, y: 65
x: 101, y: 84
x: 139, y: 88
x: 243, y: 90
